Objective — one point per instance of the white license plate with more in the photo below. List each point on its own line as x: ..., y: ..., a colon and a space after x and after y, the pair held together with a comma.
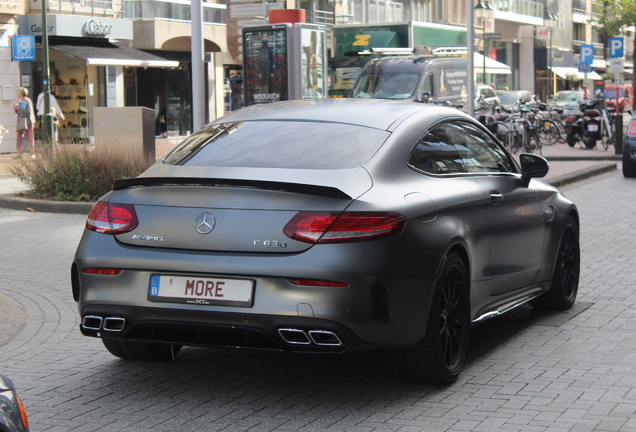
x: 593, y: 127
x: 202, y: 291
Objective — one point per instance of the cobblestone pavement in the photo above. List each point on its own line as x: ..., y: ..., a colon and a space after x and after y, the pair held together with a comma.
x: 556, y: 372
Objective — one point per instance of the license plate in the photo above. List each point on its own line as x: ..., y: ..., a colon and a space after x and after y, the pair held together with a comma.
x: 592, y: 128
x: 201, y: 291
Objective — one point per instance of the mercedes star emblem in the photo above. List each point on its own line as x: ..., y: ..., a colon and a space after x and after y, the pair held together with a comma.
x: 205, y: 223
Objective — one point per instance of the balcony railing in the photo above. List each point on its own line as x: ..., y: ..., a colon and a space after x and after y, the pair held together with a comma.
x: 322, y: 17
x: 109, y: 8
x: 173, y: 10
x: 522, y: 7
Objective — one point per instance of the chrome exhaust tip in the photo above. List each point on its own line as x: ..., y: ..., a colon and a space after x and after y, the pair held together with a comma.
x: 324, y: 338
x: 92, y: 322
x: 114, y: 324
x: 294, y: 336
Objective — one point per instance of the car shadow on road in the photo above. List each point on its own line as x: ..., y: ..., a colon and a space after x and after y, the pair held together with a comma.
x: 230, y: 378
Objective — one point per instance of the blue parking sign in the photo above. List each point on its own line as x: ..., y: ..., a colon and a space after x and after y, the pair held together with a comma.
x: 586, y: 54
x: 617, y: 47
x: 23, y: 48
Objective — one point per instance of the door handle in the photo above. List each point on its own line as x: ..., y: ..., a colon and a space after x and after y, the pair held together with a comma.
x: 496, y: 197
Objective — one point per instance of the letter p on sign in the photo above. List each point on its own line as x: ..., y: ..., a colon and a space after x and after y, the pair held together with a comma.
x: 586, y: 54
x: 617, y: 47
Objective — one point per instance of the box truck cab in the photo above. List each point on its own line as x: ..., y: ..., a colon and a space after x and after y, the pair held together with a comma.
x: 409, y: 77
x: 438, y: 78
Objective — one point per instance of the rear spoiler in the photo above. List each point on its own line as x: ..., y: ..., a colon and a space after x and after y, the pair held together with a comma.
x: 325, y: 191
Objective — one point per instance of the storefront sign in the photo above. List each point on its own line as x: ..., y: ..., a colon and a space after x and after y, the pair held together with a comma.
x: 23, y: 48
x: 96, y: 28
x: 77, y: 26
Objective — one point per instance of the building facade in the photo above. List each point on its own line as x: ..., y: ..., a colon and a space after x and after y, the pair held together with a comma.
x: 113, y: 53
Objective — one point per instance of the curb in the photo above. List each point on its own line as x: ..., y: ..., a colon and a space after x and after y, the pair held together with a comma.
x: 582, y: 174
x: 17, y: 202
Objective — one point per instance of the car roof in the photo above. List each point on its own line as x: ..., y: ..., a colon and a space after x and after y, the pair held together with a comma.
x: 373, y: 113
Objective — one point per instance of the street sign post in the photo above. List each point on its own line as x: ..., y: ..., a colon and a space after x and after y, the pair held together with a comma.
x: 617, y: 61
x: 586, y: 55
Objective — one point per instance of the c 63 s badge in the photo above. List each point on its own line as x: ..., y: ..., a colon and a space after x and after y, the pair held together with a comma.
x: 270, y: 243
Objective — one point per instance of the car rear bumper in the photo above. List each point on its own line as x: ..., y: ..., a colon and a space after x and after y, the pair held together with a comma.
x: 385, y: 302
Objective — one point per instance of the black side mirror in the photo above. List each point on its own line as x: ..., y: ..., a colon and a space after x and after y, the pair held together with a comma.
x: 532, y: 166
x: 426, y: 97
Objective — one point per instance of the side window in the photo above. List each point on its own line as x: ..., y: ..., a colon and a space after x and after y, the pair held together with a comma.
x: 427, y: 86
x: 435, y: 153
x: 478, y: 151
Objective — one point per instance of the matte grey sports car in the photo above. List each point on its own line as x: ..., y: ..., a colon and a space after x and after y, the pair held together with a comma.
x: 326, y: 226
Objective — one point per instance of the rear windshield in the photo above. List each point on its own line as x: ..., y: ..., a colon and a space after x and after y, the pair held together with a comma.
x: 507, y: 98
x: 377, y: 86
x: 279, y: 144
x: 574, y: 96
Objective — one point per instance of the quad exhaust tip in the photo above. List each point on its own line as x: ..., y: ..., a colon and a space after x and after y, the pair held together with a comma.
x: 316, y: 337
x: 97, y: 323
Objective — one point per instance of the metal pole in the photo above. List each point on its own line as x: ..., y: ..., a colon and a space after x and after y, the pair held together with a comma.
x: 470, y: 42
x: 484, y: 42
x: 47, y: 119
x: 198, y: 82
x: 550, y: 89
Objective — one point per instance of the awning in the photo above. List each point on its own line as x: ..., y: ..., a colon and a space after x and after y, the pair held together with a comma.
x: 114, y: 55
x: 564, y: 72
x: 492, y: 66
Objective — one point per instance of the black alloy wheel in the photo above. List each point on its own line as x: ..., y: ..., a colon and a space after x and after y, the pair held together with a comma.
x: 565, y: 280
x: 440, y: 356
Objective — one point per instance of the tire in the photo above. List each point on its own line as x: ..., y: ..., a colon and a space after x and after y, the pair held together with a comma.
x: 629, y: 168
x: 571, y: 140
x: 589, y: 141
x: 565, y: 279
x: 440, y: 356
x: 549, y: 133
x: 140, y: 351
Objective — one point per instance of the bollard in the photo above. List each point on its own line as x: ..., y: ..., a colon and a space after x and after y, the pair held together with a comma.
x: 618, y: 138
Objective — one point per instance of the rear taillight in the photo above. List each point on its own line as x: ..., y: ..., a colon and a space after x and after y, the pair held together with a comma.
x: 112, y: 218
x: 631, y: 131
x: 570, y: 120
x: 347, y: 227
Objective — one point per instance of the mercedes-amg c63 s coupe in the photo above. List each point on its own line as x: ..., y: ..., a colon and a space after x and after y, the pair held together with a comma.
x: 326, y: 226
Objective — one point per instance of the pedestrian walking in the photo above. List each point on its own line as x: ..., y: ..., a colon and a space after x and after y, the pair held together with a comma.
x: 26, y: 120
x: 39, y: 104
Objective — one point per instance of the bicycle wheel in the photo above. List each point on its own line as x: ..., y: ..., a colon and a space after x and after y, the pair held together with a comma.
x: 511, y: 142
x: 549, y: 133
